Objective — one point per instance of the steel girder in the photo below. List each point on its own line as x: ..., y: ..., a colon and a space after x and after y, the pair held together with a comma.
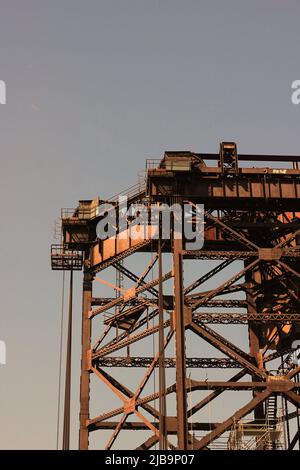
x: 247, y: 221
x: 99, y: 354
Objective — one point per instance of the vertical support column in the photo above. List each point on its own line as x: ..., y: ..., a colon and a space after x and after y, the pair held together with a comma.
x: 163, y: 441
x: 85, y: 347
x: 254, y: 335
x: 182, y: 425
x: 67, y: 404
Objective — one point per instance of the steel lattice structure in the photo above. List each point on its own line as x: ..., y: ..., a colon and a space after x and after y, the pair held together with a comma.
x: 252, y: 215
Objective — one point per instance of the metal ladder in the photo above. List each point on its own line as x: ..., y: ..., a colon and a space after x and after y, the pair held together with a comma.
x: 271, y: 419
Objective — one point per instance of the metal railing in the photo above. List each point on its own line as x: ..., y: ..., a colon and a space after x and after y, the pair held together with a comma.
x: 248, y: 435
x: 92, y: 212
x: 57, y: 229
x: 65, y: 259
x: 130, y: 192
x: 78, y: 212
x: 152, y: 163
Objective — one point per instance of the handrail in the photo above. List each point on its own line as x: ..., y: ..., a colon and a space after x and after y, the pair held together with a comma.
x: 134, y: 190
x: 91, y: 212
x: 152, y: 163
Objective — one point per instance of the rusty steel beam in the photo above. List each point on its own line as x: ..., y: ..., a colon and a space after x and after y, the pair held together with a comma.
x: 123, y: 298
x: 138, y: 425
x: 229, y: 385
x: 67, y: 403
x: 253, y: 336
x: 144, y: 403
x: 119, y: 390
x: 100, y: 301
x: 227, y: 348
x: 226, y: 284
x: 219, y: 254
x: 207, y: 276
x: 134, y: 277
x: 191, y: 362
x: 193, y: 299
x: 293, y: 372
x: 276, y: 354
x: 139, y: 324
x: 289, y: 268
x: 294, y: 440
x: 126, y: 342
x: 226, y: 303
x: 253, y: 158
x: 215, y: 254
x: 252, y: 216
x: 101, y: 266
x: 152, y: 367
x: 116, y: 431
x: 209, y: 398
x: 163, y: 445
x: 85, y: 373
x: 233, y: 385
x: 243, y: 317
x: 233, y: 303
x: 293, y: 397
x: 148, y: 444
x: 234, y: 234
x: 182, y: 430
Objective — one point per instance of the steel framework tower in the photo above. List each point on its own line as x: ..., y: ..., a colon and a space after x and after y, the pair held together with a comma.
x: 252, y: 215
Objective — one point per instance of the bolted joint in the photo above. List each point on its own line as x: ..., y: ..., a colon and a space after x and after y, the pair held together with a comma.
x: 269, y: 254
x: 129, y: 406
x: 279, y: 384
x: 130, y: 293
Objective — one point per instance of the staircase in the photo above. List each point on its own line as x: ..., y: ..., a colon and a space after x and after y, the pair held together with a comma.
x: 271, y: 418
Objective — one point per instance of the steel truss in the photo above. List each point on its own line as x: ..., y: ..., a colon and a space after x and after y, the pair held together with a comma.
x: 267, y: 284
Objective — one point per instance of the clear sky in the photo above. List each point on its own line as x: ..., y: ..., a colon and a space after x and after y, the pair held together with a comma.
x: 93, y: 89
